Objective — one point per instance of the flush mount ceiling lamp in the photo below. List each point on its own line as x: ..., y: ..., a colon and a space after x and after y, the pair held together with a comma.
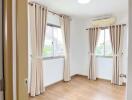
x: 84, y: 1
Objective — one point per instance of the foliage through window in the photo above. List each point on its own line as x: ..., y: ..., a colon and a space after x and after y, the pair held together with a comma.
x: 53, y: 42
x: 103, y: 47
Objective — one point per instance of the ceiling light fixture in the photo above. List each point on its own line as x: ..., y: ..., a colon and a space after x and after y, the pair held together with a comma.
x: 83, y: 1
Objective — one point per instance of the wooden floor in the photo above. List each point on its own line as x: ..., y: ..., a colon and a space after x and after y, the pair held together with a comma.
x: 80, y: 88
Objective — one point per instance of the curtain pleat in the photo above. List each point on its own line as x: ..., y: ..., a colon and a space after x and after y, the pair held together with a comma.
x: 116, y: 35
x: 38, y: 19
x: 93, y: 36
x: 65, y: 27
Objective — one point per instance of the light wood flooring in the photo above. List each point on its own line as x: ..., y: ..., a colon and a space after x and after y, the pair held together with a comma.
x: 80, y: 88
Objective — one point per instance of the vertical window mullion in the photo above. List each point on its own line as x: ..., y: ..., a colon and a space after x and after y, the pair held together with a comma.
x: 53, y: 41
x: 104, y: 42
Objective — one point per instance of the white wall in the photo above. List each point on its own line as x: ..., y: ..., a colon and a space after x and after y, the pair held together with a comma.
x: 104, y: 65
x: 53, y: 19
x: 125, y: 53
x: 79, y: 59
x: 53, y: 68
x: 104, y: 68
x: 79, y: 48
x: 122, y: 18
x: 129, y: 74
x: 53, y: 71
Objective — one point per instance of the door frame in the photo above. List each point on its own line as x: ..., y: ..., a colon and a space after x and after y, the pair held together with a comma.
x: 22, y: 49
x: 7, y: 44
x: 15, y: 24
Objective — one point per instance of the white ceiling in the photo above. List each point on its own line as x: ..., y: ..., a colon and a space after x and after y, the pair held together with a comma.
x: 93, y: 9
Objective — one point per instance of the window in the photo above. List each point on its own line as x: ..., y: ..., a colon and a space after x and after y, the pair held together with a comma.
x: 104, y: 44
x: 53, y: 42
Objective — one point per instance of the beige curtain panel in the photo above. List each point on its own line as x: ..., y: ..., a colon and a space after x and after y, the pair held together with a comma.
x: 38, y: 17
x: 93, y: 36
x: 65, y: 26
x: 116, y: 35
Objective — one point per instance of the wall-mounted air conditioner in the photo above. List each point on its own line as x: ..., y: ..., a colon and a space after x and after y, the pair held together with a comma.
x: 103, y: 21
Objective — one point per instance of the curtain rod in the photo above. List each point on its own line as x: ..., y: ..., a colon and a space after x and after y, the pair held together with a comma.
x: 31, y: 3
x: 108, y: 26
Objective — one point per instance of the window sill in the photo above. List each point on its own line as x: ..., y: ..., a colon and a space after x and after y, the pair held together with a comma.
x: 55, y: 57
x: 104, y: 56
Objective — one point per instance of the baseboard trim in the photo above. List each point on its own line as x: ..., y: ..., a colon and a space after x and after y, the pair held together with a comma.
x: 96, y: 78
x: 59, y: 81
x: 104, y: 79
x: 81, y: 75
x: 53, y: 83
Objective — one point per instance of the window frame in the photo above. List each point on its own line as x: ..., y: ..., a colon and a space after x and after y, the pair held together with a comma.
x: 104, y: 54
x: 53, y: 57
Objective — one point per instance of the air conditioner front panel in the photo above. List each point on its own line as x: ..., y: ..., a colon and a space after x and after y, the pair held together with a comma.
x: 104, y: 22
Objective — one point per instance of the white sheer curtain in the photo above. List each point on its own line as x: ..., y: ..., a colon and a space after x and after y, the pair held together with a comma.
x: 116, y: 35
x: 38, y: 17
x: 93, y: 36
x: 65, y: 26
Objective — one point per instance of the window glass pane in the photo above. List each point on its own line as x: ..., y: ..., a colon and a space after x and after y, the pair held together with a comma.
x: 108, y: 48
x: 54, y: 45
x: 100, y: 44
x: 48, y: 46
x: 58, y: 42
